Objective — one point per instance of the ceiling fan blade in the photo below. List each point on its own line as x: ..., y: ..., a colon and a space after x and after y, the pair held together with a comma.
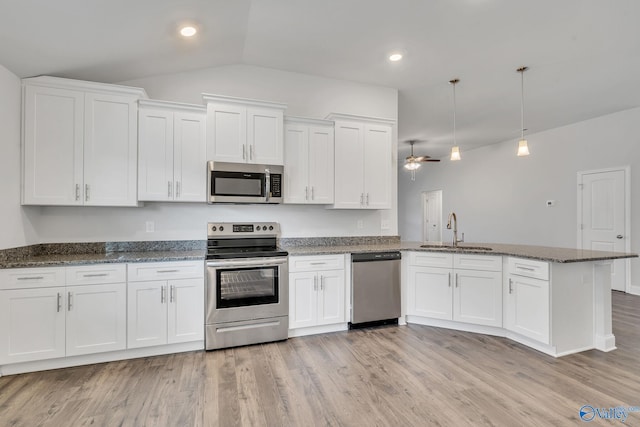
x: 422, y: 158
x: 430, y: 160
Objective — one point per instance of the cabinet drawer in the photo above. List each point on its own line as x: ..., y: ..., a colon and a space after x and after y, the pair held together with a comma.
x: 96, y: 274
x: 316, y: 262
x: 165, y: 270
x: 431, y: 259
x: 477, y: 262
x: 23, y: 278
x: 529, y: 268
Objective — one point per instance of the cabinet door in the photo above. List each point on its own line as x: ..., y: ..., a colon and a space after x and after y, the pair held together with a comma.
x: 186, y: 310
x: 227, y: 133
x: 528, y: 307
x: 190, y: 157
x: 264, y: 136
x: 110, y: 150
x: 331, y: 297
x: 303, y: 299
x: 155, y: 163
x: 96, y: 318
x: 477, y: 297
x: 32, y: 324
x: 296, y: 167
x: 321, y: 162
x: 146, y: 314
x: 349, y: 165
x: 52, y: 146
x: 377, y: 166
x: 430, y: 292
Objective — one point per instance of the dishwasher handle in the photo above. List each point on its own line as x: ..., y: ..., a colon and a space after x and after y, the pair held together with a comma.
x: 375, y: 256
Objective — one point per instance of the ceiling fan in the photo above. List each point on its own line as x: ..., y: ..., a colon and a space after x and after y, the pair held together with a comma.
x: 412, y: 162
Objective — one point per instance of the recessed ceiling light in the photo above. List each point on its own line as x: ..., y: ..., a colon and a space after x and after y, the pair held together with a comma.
x: 188, y: 31
x: 395, y: 57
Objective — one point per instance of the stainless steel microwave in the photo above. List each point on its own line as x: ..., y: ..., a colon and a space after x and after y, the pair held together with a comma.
x: 244, y: 183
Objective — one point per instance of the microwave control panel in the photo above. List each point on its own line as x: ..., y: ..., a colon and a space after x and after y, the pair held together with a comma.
x: 276, y: 185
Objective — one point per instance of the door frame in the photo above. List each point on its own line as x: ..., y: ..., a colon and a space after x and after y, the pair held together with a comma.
x: 423, y: 198
x: 627, y: 213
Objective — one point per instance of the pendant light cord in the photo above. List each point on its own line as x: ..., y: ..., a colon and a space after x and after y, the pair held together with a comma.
x: 454, y: 114
x: 521, y: 70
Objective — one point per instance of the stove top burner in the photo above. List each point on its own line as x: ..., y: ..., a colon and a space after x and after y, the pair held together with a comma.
x: 255, y: 240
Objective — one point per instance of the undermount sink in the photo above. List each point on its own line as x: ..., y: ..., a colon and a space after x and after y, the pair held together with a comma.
x: 441, y: 246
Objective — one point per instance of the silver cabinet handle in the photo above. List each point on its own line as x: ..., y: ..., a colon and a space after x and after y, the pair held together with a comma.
x: 525, y: 268
x: 619, y: 236
x: 172, y: 291
x: 317, y: 263
x: 69, y: 301
x: 313, y: 197
x: 77, y: 192
x: 322, y: 283
x: 306, y: 193
x: 510, y: 286
x: 168, y: 188
x: 162, y: 291
x: 167, y: 271
x: 59, y: 302
x: 367, y: 199
x: 31, y: 278
x: 449, y: 281
x: 86, y: 192
x: 244, y: 151
x: 456, y: 280
x: 95, y: 275
x: 251, y: 148
x: 315, y: 283
x: 177, y: 189
x: 361, y: 199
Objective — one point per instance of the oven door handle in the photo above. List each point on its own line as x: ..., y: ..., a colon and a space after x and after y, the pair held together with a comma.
x: 248, y: 262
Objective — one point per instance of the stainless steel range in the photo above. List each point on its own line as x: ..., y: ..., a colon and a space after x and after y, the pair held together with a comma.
x: 247, y: 290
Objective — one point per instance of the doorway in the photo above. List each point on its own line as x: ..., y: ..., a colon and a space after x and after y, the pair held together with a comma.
x: 604, y: 215
x: 432, y: 216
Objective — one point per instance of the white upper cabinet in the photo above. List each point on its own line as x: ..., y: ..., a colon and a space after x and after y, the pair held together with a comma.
x: 172, y: 152
x: 79, y: 143
x: 244, y: 130
x: 363, y: 162
x: 308, y: 161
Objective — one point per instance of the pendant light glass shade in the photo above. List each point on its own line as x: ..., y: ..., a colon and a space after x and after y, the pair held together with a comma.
x: 523, y: 148
x: 411, y: 166
x: 455, y: 150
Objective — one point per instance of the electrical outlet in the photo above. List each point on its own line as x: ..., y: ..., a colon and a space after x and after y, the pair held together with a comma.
x: 360, y: 224
x: 150, y: 226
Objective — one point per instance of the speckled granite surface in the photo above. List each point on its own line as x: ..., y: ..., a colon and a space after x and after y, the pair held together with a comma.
x: 61, y: 254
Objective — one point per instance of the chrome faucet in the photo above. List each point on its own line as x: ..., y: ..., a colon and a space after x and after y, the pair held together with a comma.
x: 452, y: 215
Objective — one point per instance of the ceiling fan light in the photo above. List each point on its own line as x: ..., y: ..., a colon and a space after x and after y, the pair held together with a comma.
x: 411, y: 165
x: 455, y: 153
x: 523, y: 148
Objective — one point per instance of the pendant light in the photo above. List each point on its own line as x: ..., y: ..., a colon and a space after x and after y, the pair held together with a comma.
x: 523, y: 148
x: 455, y: 150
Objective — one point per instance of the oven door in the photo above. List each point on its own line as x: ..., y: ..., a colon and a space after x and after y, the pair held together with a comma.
x: 247, y: 289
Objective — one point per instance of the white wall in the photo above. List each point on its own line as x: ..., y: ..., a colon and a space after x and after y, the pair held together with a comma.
x: 499, y: 197
x: 305, y: 95
x: 15, y: 227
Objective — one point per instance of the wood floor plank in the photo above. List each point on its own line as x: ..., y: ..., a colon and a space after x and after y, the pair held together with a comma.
x: 409, y: 375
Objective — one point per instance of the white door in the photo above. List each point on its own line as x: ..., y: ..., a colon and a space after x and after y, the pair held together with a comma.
x: 32, y: 324
x: 264, y: 136
x: 331, y: 297
x: 146, y: 314
x: 303, y: 299
x: 377, y: 166
x: 349, y: 165
x: 186, y: 310
x: 603, y: 214
x: 430, y: 292
x: 527, y: 308
x: 477, y: 297
x: 226, y: 133
x: 155, y: 163
x: 53, y: 143
x: 296, y: 165
x: 432, y: 216
x: 110, y: 150
x: 96, y: 318
x: 320, y: 164
x: 189, y: 159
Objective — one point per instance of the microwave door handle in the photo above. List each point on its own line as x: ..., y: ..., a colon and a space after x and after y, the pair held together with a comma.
x: 267, y: 184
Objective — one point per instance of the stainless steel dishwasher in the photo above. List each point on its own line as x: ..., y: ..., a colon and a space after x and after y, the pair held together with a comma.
x: 375, y: 290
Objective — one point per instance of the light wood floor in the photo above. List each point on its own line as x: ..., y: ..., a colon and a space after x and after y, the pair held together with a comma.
x: 390, y: 376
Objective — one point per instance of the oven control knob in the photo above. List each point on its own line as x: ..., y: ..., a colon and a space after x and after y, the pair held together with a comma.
x: 257, y: 228
x: 221, y: 228
x: 213, y: 228
x: 271, y: 228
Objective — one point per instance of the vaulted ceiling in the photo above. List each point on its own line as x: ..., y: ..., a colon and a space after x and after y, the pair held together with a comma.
x: 584, y: 55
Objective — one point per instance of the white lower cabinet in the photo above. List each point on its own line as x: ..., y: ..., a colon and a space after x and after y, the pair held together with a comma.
x: 165, y: 303
x: 317, y: 291
x: 471, y: 292
x: 57, y: 312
